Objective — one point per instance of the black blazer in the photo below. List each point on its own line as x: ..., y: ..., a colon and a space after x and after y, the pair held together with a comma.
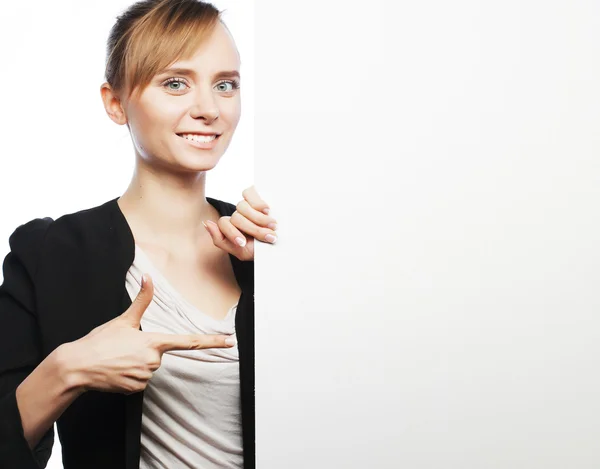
x: 63, y: 278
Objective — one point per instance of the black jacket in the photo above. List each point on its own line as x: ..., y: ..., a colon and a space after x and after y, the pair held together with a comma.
x: 62, y: 278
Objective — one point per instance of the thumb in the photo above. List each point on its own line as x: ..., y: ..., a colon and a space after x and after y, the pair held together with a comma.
x: 134, y: 313
x: 214, y: 231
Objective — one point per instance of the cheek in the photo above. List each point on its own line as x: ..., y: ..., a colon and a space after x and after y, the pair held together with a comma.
x: 151, y: 124
x: 233, y: 112
x: 233, y: 115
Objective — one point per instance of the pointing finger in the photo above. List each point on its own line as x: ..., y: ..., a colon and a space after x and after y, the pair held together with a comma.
x: 167, y: 342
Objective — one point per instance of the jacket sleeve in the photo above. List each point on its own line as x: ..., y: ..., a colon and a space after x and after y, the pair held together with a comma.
x: 20, y: 349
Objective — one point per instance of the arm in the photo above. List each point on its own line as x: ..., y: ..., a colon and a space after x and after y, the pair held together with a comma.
x: 39, y: 410
x: 20, y: 352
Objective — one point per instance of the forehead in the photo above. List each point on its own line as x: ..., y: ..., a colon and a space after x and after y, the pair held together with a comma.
x: 218, y: 52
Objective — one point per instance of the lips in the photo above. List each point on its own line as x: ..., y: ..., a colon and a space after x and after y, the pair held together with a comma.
x: 199, y: 133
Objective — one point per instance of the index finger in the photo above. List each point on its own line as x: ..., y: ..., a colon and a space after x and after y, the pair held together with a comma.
x: 167, y: 342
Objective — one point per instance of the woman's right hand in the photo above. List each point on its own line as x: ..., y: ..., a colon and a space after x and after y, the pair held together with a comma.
x: 118, y: 357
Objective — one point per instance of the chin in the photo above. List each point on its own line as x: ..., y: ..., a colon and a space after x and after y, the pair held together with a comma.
x: 205, y: 163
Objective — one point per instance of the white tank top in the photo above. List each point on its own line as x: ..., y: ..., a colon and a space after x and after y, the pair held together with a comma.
x: 191, y: 409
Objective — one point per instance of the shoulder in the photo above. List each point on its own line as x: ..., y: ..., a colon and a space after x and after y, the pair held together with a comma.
x: 30, y: 238
x: 89, y: 219
x: 26, y: 241
x: 29, y: 233
x: 83, y: 227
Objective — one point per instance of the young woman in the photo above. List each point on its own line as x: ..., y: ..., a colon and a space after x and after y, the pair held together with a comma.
x: 131, y: 324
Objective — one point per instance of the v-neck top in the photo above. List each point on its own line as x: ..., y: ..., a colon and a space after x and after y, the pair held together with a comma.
x: 191, y: 414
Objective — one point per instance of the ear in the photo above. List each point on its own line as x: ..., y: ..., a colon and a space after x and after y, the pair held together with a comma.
x: 112, y: 104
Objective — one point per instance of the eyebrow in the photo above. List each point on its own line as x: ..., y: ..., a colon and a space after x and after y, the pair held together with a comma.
x: 191, y: 73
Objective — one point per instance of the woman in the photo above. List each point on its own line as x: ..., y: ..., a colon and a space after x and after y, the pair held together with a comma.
x: 128, y: 324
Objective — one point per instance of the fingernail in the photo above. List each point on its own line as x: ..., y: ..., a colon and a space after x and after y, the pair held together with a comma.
x: 205, y: 226
x: 230, y: 341
x: 211, y: 222
x: 270, y: 238
x: 266, y: 211
x: 240, y: 241
x: 143, y: 280
x: 273, y: 226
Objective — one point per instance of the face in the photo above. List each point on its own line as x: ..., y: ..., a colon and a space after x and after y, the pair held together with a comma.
x: 185, y: 118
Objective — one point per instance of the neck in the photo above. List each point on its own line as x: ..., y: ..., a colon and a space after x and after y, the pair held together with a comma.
x: 167, y: 208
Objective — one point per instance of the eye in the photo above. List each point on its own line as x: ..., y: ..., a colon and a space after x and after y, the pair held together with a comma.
x: 223, y: 86
x: 175, y: 81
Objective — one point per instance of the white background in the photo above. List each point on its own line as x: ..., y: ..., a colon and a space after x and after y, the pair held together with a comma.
x: 432, y: 300
x: 61, y: 153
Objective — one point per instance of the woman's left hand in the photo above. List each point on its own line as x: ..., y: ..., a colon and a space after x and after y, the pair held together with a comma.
x: 235, y: 234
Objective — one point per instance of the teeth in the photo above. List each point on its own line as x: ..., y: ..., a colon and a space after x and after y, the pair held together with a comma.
x: 199, y: 138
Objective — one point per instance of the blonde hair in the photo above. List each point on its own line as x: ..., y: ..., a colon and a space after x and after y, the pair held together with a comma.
x: 152, y: 34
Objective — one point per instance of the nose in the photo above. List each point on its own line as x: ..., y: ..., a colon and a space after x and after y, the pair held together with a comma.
x: 205, y: 106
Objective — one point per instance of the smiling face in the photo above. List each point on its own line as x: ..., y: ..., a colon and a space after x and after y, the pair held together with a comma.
x: 175, y: 119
